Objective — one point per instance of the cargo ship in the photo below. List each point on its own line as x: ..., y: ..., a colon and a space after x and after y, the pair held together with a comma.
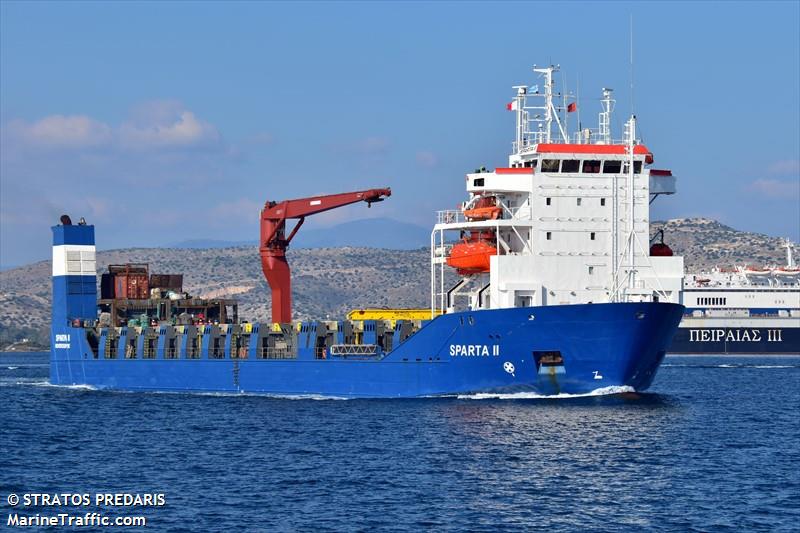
x: 742, y: 310
x: 539, y: 284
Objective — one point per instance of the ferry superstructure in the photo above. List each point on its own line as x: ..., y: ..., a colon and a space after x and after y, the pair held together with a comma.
x: 569, y: 221
x: 753, y: 310
x: 540, y: 283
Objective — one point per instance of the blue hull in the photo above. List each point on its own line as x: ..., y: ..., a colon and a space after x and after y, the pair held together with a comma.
x: 493, y: 351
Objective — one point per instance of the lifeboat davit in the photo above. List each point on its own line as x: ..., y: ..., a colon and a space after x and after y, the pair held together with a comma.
x: 660, y: 249
x: 484, y: 208
x: 472, y: 254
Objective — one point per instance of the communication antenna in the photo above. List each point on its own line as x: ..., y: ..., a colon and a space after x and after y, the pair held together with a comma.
x: 631, y: 73
x: 577, y: 104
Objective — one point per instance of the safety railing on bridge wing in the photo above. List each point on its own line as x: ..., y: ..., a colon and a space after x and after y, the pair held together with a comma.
x: 450, y: 216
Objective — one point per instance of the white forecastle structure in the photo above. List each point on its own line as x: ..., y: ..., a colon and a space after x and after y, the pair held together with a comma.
x: 574, y: 216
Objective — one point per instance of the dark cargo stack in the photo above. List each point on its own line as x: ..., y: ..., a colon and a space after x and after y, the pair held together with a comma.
x: 167, y: 282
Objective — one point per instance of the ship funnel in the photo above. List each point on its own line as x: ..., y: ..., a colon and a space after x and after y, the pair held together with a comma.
x: 74, y: 273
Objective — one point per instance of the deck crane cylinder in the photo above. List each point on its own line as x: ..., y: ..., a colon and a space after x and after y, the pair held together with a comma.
x: 274, y: 241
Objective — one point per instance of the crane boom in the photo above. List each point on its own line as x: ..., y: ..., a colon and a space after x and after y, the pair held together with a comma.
x: 274, y: 241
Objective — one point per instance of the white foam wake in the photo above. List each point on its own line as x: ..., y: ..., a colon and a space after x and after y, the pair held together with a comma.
x: 17, y: 382
x: 304, y: 397
x: 269, y: 395
x: 67, y: 387
x: 604, y: 391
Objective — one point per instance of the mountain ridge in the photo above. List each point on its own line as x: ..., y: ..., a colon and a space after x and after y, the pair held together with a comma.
x: 330, y: 281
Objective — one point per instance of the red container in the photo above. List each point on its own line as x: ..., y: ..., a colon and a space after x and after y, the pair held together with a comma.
x: 131, y: 286
x: 130, y: 281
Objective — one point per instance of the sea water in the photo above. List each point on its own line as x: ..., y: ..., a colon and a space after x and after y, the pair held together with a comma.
x: 714, y: 445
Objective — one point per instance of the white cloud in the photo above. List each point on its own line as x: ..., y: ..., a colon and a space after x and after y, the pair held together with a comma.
x: 427, y: 159
x: 153, y: 126
x: 182, y: 131
x: 60, y: 131
x: 786, y: 167
x: 771, y: 188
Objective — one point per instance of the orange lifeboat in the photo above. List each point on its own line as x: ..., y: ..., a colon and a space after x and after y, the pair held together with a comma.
x: 754, y: 271
x: 485, y: 208
x: 472, y: 255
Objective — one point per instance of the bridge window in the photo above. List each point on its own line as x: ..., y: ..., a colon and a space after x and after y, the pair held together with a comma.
x: 570, y: 165
x: 478, y: 182
x: 637, y: 167
x: 550, y: 165
x: 612, y: 167
x: 591, y: 167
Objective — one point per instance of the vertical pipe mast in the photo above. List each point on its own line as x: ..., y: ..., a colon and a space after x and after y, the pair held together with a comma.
x: 604, y: 128
x: 545, y: 134
x: 519, y: 99
x: 631, y: 205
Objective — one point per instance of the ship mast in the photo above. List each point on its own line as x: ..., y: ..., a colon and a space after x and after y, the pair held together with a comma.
x: 545, y: 132
x: 604, y: 129
x: 630, y: 131
x: 622, y: 288
x: 522, y: 118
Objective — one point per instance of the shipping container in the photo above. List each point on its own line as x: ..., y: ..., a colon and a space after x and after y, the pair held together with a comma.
x: 131, y: 286
x: 130, y: 281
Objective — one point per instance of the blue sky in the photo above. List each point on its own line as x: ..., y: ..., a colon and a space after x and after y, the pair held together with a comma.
x: 162, y: 122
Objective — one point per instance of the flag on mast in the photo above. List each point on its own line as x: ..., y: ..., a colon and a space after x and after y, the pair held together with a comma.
x: 513, y: 106
x: 572, y: 107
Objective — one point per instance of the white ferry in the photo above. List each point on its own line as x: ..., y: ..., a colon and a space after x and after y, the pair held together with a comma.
x: 750, y: 310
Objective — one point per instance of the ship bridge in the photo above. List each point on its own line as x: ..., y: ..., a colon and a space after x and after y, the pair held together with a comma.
x: 566, y: 221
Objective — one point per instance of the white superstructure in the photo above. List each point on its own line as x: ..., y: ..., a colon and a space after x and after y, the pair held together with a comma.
x: 566, y: 222
x: 745, y: 291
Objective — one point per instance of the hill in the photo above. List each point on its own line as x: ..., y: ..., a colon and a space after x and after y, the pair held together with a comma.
x: 330, y: 281
x: 705, y: 243
x: 326, y: 282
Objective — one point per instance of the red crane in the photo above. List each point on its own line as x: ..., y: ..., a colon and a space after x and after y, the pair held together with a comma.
x: 274, y: 241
